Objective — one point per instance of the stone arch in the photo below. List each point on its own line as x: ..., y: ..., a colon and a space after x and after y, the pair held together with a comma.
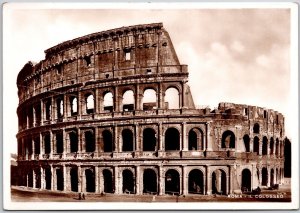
x: 256, y: 145
x: 172, y: 139
x: 246, y: 180
x: 127, y: 140
x: 271, y: 146
x: 59, y: 107
x: 89, y: 139
x: 172, y: 98
x: 219, y: 182
x: 149, y: 140
x: 48, y: 178
x: 264, y: 176
x: 89, y: 103
x: 149, y: 101
x: 128, y: 182
x: 172, y: 182
x: 47, y: 143
x: 246, y: 140
x: 74, y: 105
x: 228, y: 139
x: 256, y: 128
x: 59, y: 179
x: 128, y: 102
x: 90, y: 180
x: 37, y: 172
x: 30, y: 178
x: 73, y: 138
x: 74, y: 179
x: 196, y: 182
x: 195, y: 139
x: 149, y: 181
x: 276, y: 147
x: 107, y: 138
x: 272, y: 178
x: 108, y: 101
x: 265, y: 146
x: 108, y: 181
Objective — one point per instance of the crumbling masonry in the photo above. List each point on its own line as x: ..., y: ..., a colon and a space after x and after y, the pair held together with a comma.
x: 86, y: 126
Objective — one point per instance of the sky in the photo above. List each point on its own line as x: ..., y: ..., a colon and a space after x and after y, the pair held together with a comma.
x: 233, y: 55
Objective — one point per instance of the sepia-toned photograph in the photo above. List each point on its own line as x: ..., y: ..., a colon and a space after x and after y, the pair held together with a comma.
x: 150, y: 106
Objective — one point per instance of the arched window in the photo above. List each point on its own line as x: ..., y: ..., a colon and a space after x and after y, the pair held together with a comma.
x: 219, y: 182
x: 107, y: 141
x: 127, y: 138
x: 196, y: 181
x: 74, y: 105
x: 246, y: 180
x: 90, y: 105
x: 128, y: 101
x: 149, y: 99
x: 47, y: 143
x: 59, y: 142
x: 149, y: 140
x: 73, y: 141
x: 89, y: 141
x: 265, y: 146
x: 60, y: 108
x: 195, y: 139
x: 128, y: 182
x: 172, y: 182
x: 48, y: 109
x: 108, y: 102
x: 256, y: 128
x: 74, y: 179
x: 271, y: 146
x: 108, y: 181
x: 264, y: 174
x: 172, y: 98
x: 90, y: 180
x: 59, y: 179
x: 277, y: 147
x: 172, y: 139
x: 149, y: 181
x: 256, y: 145
x: 228, y: 139
x: 246, y: 140
x: 48, y: 178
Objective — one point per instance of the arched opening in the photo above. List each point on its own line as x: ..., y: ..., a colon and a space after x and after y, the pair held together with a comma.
x: 37, y: 145
x: 276, y: 147
x: 264, y: 174
x: 219, y: 182
x: 73, y: 141
x: 127, y: 138
x: 37, y: 178
x: 196, y: 182
x: 195, y: 139
x: 89, y: 141
x: 30, y: 179
x: 108, y: 102
x: 74, y: 105
x: 47, y: 144
x: 149, y: 99
x: 271, y: 146
x: 107, y: 141
x: 48, y: 109
x: 149, y: 181
x: 277, y: 176
x: 59, y: 142
x: 246, y: 180
x: 272, y: 179
x: 172, y: 182
x: 265, y: 146
x: 228, y: 139
x: 90, y: 180
x: 172, y: 139
x: 60, y: 108
x: 246, y: 140
x: 256, y: 128
x: 256, y: 145
x: 108, y: 181
x: 74, y: 179
x: 149, y: 140
x: 128, y: 101
x: 48, y: 175
x: 128, y: 182
x: 90, y: 105
x: 172, y: 98
x: 59, y: 180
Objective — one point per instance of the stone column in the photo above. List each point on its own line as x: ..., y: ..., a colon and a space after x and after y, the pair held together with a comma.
x: 269, y: 176
x: 97, y: 101
x: 65, y: 177
x: 227, y: 184
x: 42, y: 112
x: 53, y: 110
x: 116, y: 100
x: 80, y: 185
x: 138, y: 98
x: 34, y: 116
x: 101, y: 180
x: 33, y: 179
x: 65, y: 143
x: 184, y: 137
x: 251, y: 144
x: 161, y: 97
x: 41, y: 146
x: 32, y: 148
x: 209, y: 182
x: 183, y: 86
x: 137, y: 138
x: 260, y: 176
x: 79, y: 141
x: 51, y: 144
x: 184, y: 180
x: 161, y: 181
x: 42, y: 178
x: 66, y: 107
x: 97, y: 182
x: 160, y: 137
x: 208, y: 143
x: 116, y: 176
x: 53, y: 185
x: 97, y: 142
x: 80, y: 103
x: 137, y: 181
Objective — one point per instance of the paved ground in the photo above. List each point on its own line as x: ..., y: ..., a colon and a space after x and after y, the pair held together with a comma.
x: 21, y: 194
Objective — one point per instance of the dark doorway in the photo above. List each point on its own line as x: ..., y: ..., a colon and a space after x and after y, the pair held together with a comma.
x: 246, y: 143
x: 256, y: 145
x: 30, y: 179
x: 59, y: 179
x: 37, y: 146
x: 89, y: 141
x: 287, y: 157
x: 196, y: 182
x: 219, y: 182
x: 172, y: 140
x: 59, y: 142
x: 149, y: 181
x: 47, y: 143
x: 228, y: 140
x: 90, y: 180
x: 272, y: 181
x: 246, y: 180
x: 271, y: 146
x: 73, y: 141
x: 256, y: 128
x: 264, y: 174
x: 192, y: 140
x: 127, y: 138
x: 128, y: 182
x: 48, y: 175
x: 74, y: 179
x: 149, y: 140
x: 172, y: 182
x: 265, y: 146
x: 107, y: 141
x: 108, y: 181
x: 37, y: 178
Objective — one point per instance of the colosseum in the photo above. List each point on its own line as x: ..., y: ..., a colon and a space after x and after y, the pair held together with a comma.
x: 99, y: 115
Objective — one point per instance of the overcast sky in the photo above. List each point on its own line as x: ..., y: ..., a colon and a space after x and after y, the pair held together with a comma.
x: 233, y: 55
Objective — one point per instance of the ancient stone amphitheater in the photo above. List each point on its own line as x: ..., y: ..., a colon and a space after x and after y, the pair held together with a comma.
x: 111, y: 112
